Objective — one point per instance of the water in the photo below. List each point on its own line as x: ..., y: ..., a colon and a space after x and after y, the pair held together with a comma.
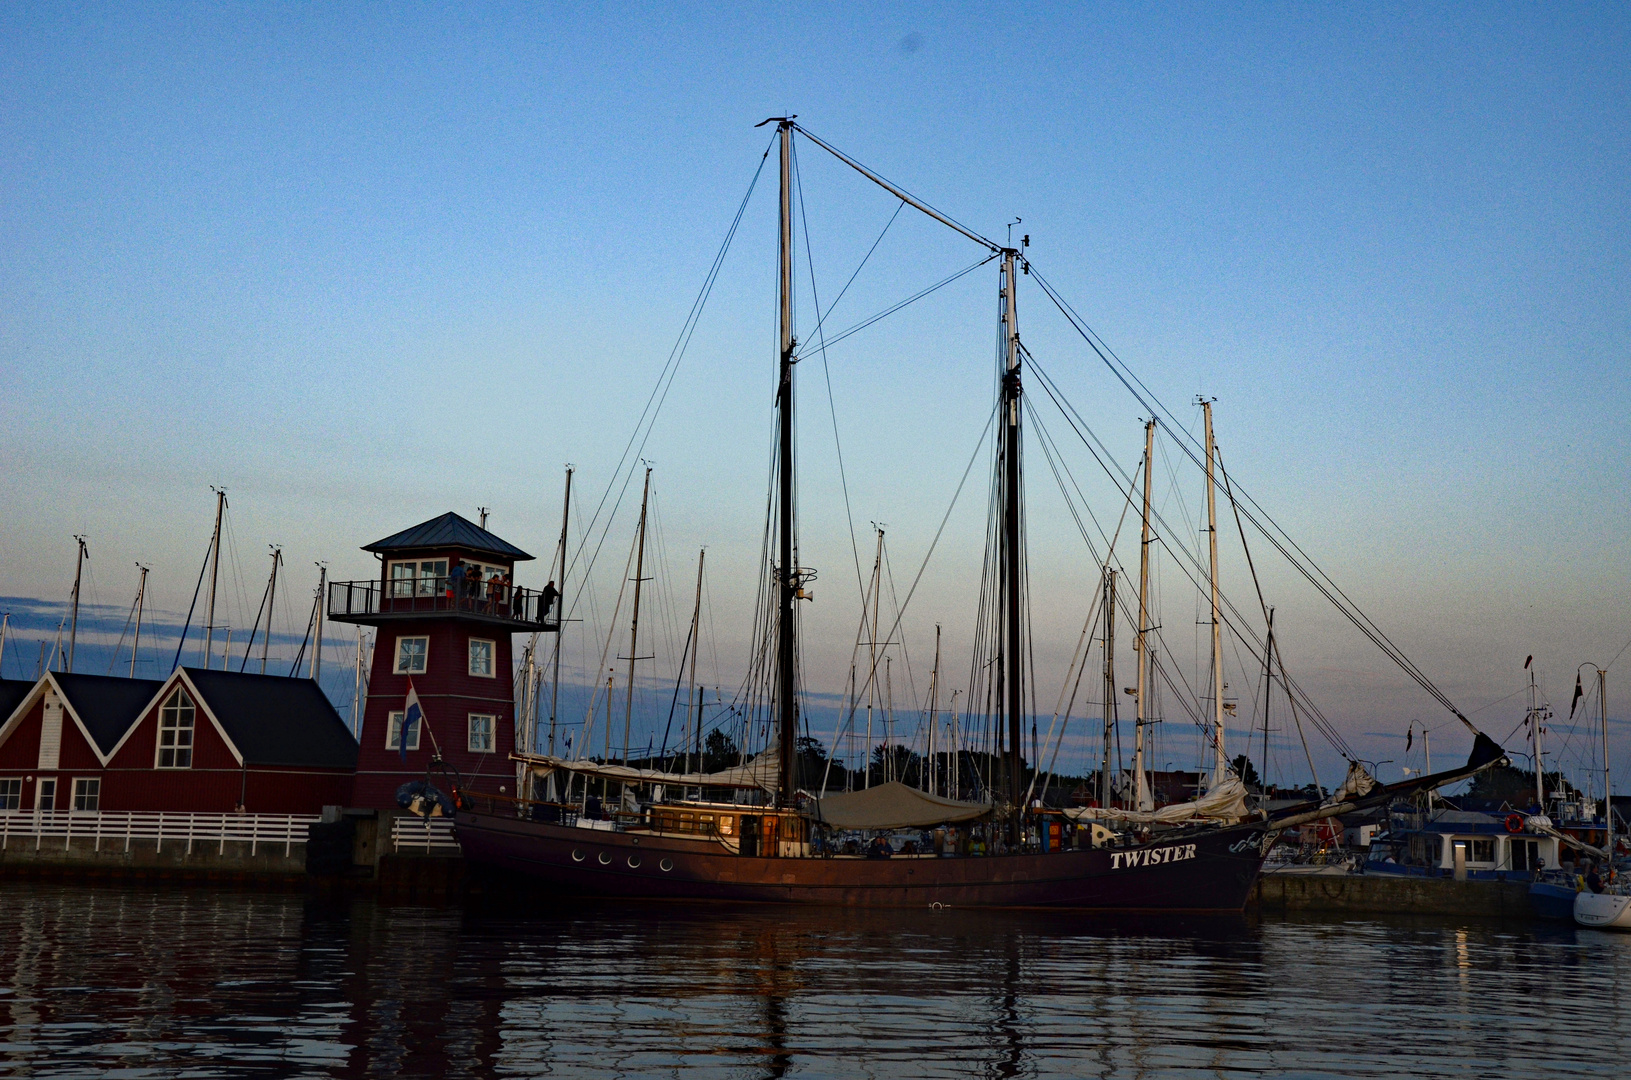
x: 177, y: 981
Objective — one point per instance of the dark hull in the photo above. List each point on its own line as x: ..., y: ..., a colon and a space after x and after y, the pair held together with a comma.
x: 1212, y: 870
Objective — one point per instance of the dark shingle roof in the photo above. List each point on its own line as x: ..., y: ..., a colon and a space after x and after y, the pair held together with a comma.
x: 107, y: 704
x: 12, y: 693
x: 276, y: 720
x: 449, y: 531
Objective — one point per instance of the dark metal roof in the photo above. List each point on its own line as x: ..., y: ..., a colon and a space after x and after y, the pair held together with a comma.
x: 277, y: 720
x: 12, y: 693
x: 449, y: 531
x: 107, y: 704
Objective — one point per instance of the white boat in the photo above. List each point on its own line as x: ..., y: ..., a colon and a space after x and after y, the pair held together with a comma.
x: 1604, y: 910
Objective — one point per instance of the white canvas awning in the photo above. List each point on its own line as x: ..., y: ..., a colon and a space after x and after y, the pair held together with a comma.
x: 893, y: 806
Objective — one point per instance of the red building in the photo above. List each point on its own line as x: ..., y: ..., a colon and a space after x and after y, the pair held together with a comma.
x: 200, y: 741
x: 445, y: 605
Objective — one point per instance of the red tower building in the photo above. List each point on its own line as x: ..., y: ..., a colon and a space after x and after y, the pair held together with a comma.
x: 445, y: 606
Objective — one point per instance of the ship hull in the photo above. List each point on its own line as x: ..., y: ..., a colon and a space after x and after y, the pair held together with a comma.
x: 1205, y: 871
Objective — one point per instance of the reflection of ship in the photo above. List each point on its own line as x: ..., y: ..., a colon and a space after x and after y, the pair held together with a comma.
x: 1204, y: 855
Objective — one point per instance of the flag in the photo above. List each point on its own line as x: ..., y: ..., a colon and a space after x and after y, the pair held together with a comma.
x: 1409, y: 737
x: 1579, y: 692
x: 412, y: 715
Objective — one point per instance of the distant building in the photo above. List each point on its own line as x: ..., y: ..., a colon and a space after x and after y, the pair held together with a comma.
x: 445, y: 606
x: 200, y: 741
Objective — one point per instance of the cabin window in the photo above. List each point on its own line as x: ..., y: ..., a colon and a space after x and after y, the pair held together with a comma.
x: 1481, y: 851
x: 393, y: 734
x: 1424, y: 850
x: 481, y: 733
x: 88, y: 795
x: 176, y: 732
x: 411, y: 653
x: 423, y: 577
x: 481, y: 658
x: 11, y: 793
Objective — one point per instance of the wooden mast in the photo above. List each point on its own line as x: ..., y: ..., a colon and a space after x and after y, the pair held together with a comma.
x: 1141, y: 792
x: 271, y: 599
x: 560, y: 584
x: 634, y: 620
x: 693, y: 707
x: 1013, y: 667
x: 1109, y: 682
x: 788, y: 574
x: 1220, y: 763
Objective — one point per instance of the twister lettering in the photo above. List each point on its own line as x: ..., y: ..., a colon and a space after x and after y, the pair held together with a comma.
x: 1126, y: 860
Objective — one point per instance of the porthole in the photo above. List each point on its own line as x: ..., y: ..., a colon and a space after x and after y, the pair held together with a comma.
x: 605, y: 858
x: 667, y: 865
x: 634, y: 862
x: 577, y: 856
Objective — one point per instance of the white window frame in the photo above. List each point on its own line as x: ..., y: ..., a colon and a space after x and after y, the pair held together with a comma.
x: 39, y: 793
x: 177, y: 701
x: 7, y: 795
x: 423, y: 577
x: 397, y: 666
x: 470, y: 732
x: 492, y: 658
x: 87, y: 789
x: 393, y: 731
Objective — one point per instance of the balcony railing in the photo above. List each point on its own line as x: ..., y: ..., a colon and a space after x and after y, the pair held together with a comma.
x: 373, y: 600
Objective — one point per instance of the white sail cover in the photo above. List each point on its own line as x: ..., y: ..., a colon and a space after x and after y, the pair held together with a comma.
x: 893, y: 806
x: 763, y: 771
x: 1225, y: 802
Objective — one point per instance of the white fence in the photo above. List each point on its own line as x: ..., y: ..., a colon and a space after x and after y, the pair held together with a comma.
x: 423, y: 834
x: 39, y: 827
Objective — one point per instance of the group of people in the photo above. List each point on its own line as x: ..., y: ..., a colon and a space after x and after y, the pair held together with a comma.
x: 469, y: 585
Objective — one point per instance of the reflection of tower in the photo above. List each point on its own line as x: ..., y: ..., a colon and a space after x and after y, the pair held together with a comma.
x: 445, y: 607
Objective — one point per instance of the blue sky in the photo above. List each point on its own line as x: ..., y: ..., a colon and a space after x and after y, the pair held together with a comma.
x: 361, y: 265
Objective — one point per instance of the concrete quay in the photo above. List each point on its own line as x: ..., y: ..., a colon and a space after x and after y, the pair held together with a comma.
x: 1392, y: 895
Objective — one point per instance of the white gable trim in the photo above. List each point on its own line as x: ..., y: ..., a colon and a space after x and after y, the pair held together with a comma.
x: 49, y: 682
x: 152, y: 703
x: 179, y: 676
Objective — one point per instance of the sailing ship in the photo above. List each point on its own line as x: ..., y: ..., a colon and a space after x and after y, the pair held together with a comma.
x: 774, y: 845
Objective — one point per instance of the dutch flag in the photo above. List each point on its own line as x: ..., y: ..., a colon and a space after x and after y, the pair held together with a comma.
x: 412, y: 716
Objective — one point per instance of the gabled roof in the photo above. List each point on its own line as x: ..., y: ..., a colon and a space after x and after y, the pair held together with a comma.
x: 106, y: 705
x: 449, y: 531
x: 276, y: 720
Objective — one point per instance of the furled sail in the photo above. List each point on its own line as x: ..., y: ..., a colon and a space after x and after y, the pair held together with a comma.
x: 1226, y: 802
x: 893, y: 806
x: 762, y: 771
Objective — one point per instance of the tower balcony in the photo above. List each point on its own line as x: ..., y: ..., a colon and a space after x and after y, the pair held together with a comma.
x: 506, y: 607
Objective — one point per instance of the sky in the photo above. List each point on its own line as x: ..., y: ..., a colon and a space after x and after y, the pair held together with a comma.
x: 360, y: 265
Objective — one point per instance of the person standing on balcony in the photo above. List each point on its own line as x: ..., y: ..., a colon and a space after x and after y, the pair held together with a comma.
x: 455, y: 581
x: 546, y: 600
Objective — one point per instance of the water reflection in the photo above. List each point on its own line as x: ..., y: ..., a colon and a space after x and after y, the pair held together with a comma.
x: 159, y: 981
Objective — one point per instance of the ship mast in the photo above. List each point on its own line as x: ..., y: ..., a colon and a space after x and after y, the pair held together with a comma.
x: 1220, y: 762
x: 1013, y: 668
x: 215, y: 573
x: 787, y: 581
x: 1141, y: 793
x: 73, y: 631
x: 634, y: 621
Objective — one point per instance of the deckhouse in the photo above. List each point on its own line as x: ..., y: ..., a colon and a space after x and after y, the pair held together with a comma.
x: 445, y: 605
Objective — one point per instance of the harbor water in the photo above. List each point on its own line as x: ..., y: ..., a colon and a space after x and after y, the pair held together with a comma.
x: 171, y: 980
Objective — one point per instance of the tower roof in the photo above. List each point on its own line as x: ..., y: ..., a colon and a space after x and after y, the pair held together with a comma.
x: 448, y: 531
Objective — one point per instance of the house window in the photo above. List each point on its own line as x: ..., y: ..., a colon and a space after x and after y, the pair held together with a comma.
x: 393, y: 736
x: 421, y: 577
x: 88, y: 794
x: 176, y: 732
x: 410, y: 655
x: 11, y: 793
x: 481, y: 657
x: 1481, y: 851
x: 481, y: 733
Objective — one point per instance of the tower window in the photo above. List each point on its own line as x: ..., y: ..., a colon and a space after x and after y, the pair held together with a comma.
x: 411, y: 653
x: 176, y: 732
x: 418, y: 577
x: 481, y: 657
x: 393, y: 735
x: 481, y: 733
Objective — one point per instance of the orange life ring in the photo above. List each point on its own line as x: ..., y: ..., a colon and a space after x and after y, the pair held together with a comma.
x: 1514, y: 823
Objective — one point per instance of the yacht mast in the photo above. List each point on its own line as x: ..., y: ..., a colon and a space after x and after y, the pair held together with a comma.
x: 788, y: 577
x: 872, y: 676
x: 271, y: 599
x: 1109, y: 682
x: 1608, y: 790
x: 1141, y: 792
x: 555, y: 676
x: 73, y: 630
x: 634, y: 620
x: 215, y: 573
x: 1220, y: 762
x: 693, y: 705
x: 1535, y: 740
x: 934, y: 712
x: 1013, y: 668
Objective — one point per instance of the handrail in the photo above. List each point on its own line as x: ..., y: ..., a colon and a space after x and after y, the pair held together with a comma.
x: 128, y: 826
x: 443, y: 595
